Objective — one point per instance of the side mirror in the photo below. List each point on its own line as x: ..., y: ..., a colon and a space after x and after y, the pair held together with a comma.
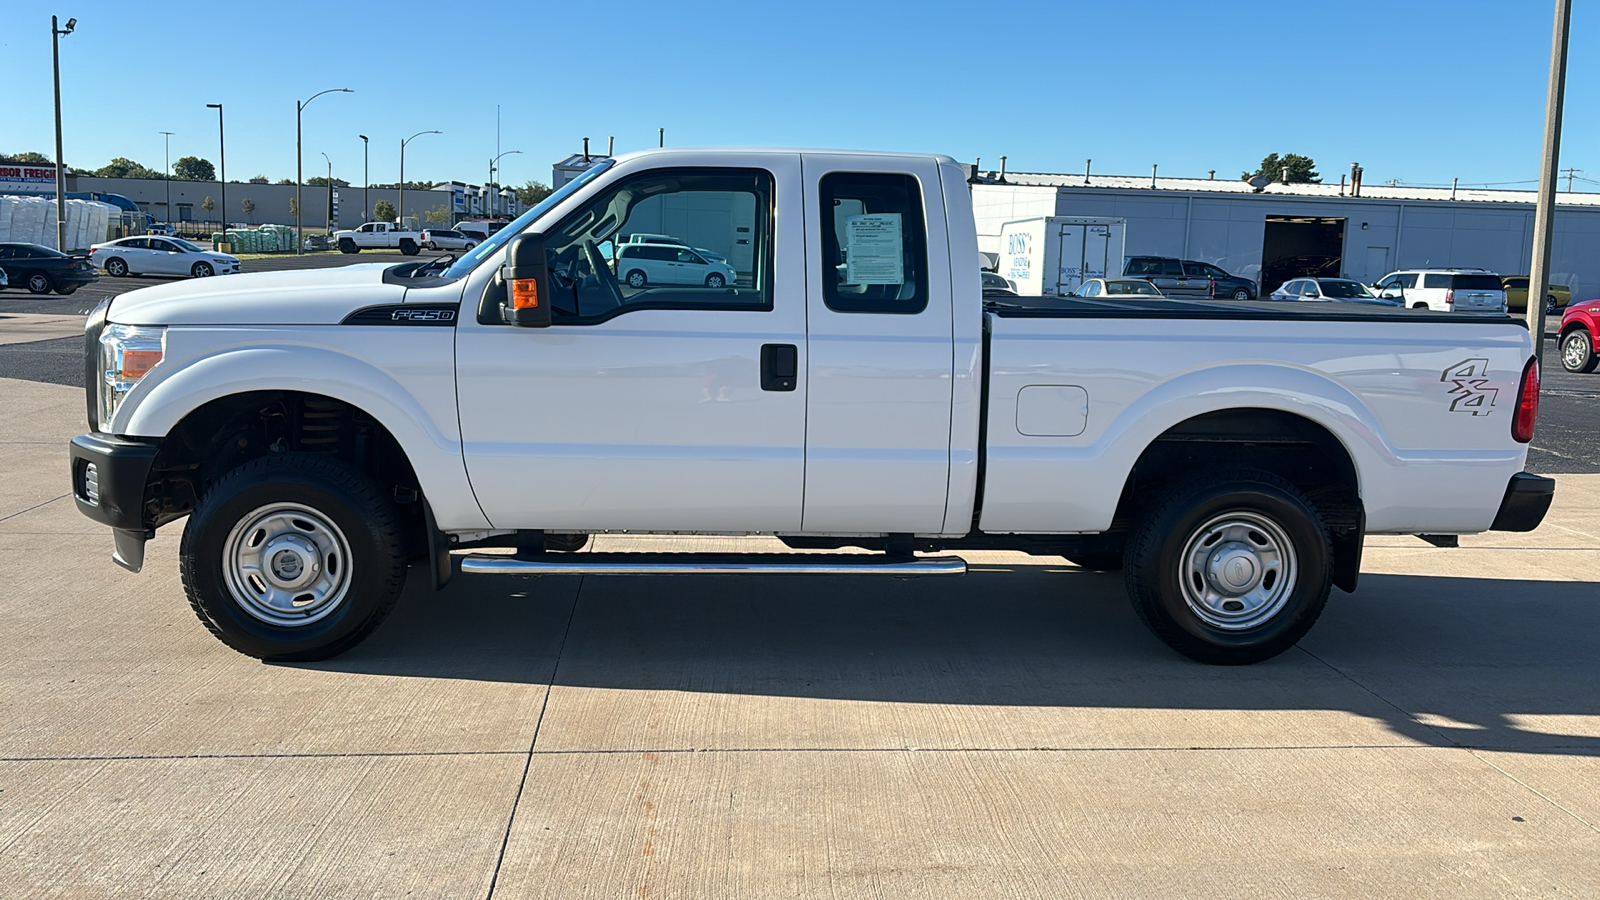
x: 527, y: 276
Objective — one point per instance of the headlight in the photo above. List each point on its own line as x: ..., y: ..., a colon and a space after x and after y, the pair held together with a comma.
x: 127, y: 353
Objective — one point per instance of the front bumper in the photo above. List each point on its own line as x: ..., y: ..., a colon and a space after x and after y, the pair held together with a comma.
x: 1526, y: 500
x: 109, y: 475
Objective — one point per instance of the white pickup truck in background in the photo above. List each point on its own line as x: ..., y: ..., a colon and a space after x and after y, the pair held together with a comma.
x: 378, y: 236
x: 848, y: 388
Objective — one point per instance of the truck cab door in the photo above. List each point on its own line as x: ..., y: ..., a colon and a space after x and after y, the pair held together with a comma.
x: 880, y: 339
x: 661, y: 407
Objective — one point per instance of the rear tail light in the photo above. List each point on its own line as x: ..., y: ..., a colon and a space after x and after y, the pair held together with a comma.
x: 1527, y: 403
x: 1213, y: 287
x: 1450, y: 295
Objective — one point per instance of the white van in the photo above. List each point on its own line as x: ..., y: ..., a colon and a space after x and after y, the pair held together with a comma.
x: 642, y: 264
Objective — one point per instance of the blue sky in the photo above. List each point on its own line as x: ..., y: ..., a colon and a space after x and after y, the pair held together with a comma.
x: 1416, y: 90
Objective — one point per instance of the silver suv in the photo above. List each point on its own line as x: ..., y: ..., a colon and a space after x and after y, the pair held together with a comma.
x: 1446, y: 290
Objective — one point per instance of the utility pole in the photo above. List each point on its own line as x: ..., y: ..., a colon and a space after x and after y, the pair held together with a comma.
x: 222, y: 165
x: 56, y: 34
x: 1570, y: 174
x: 169, y: 135
x: 366, y: 177
x: 1545, y: 210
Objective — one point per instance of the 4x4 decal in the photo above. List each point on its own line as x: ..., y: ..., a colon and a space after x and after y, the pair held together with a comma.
x: 1470, y: 391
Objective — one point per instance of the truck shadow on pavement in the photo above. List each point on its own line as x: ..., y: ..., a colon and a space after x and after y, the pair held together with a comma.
x: 1452, y: 662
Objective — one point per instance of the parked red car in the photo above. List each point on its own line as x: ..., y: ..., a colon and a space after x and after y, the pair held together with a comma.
x: 1579, y: 326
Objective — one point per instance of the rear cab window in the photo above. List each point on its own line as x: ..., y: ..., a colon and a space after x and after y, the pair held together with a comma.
x: 874, y: 243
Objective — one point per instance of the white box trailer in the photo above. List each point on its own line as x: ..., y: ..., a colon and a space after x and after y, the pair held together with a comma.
x: 1050, y: 256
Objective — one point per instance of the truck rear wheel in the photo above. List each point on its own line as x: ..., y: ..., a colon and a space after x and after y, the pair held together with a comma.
x: 409, y: 247
x: 294, y: 556
x: 1230, y: 567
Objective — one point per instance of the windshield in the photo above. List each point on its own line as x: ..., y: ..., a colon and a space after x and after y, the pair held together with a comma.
x: 469, y: 261
x: 185, y: 245
x: 1344, y: 290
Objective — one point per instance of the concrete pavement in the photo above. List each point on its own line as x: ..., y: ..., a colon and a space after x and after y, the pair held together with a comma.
x: 1013, y: 733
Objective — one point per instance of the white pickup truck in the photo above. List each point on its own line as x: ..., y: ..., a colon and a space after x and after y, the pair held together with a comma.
x: 378, y: 236
x: 325, y: 430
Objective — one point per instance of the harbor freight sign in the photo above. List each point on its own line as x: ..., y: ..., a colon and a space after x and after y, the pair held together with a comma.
x: 15, y: 179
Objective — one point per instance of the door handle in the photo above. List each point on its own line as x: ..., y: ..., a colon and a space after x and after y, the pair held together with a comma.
x: 780, y: 367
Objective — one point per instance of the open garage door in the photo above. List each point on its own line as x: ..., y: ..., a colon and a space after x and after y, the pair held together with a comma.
x: 1300, y: 246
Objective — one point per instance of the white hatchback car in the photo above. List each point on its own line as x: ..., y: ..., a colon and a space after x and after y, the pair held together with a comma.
x: 639, y: 265
x: 160, y: 256
x: 1445, y: 290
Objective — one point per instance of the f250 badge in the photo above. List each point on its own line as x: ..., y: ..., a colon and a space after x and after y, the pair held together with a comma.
x: 423, y: 315
x: 1470, y: 391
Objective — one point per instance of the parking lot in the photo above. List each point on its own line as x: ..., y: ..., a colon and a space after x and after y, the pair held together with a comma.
x: 1015, y: 732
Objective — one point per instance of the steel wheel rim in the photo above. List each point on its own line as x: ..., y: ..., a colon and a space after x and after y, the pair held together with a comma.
x: 1237, y: 570
x: 287, y: 565
x: 636, y: 280
x: 716, y: 281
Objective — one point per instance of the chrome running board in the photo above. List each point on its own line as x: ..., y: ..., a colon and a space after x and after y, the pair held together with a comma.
x: 713, y: 564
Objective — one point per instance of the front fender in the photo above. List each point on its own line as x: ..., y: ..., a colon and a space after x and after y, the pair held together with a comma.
x: 410, y: 390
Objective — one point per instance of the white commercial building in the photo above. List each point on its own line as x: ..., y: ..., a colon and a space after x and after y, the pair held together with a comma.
x: 1284, y: 226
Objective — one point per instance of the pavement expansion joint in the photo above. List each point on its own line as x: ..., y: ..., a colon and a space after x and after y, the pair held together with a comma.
x: 1536, y: 792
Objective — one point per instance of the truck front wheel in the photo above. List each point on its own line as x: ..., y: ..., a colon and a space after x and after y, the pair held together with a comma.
x: 347, y: 245
x: 1230, y: 567
x: 294, y: 556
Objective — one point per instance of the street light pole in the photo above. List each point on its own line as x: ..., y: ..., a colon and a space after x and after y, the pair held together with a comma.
x: 222, y: 163
x: 366, y: 176
x: 169, y: 135
x: 299, y: 208
x: 328, y: 213
x: 56, y: 34
x: 1545, y: 209
x: 493, y: 166
x: 402, y: 210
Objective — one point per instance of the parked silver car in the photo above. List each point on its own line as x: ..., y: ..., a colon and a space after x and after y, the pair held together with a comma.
x: 1336, y: 290
x: 1117, y: 287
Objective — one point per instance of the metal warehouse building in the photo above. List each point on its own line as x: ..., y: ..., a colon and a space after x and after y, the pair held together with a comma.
x: 1261, y: 234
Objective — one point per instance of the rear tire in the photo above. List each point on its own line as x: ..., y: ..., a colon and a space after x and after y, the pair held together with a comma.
x: 64, y: 291
x: 1577, y: 351
x: 295, y: 556
x: 409, y: 247
x: 1230, y: 566
x: 116, y: 267
x: 1241, y: 294
x: 39, y: 283
x: 1550, y: 306
x: 636, y: 279
x: 1419, y: 306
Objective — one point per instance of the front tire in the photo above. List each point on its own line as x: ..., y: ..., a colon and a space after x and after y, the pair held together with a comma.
x: 1230, y: 566
x: 39, y: 283
x: 116, y: 267
x: 1577, y: 351
x: 715, y: 281
x: 468, y: 246
x: 346, y: 245
x: 202, y: 270
x: 293, y: 557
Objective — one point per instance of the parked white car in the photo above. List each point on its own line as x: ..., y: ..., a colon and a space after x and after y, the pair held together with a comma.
x: 1445, y: 290
x: 160, y: 256
x: 642, y: 264
x: 448, y: 239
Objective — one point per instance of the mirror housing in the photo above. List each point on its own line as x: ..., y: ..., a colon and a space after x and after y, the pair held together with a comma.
x: 527, y: 276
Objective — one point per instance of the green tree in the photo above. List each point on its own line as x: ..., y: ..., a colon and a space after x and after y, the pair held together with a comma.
x: 259, y: 179
x: 1302, y: 169
x: 28, y: 158
x: 123, y: 167
x: 294, y: 209
x: 193, y: 168
x: 208, y: 205
x: 320, y: 181
x: 383, y: 211
x: 440, y: 216
x: 249, y: 207
x: 286, y: 181
x: 533, y: 192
